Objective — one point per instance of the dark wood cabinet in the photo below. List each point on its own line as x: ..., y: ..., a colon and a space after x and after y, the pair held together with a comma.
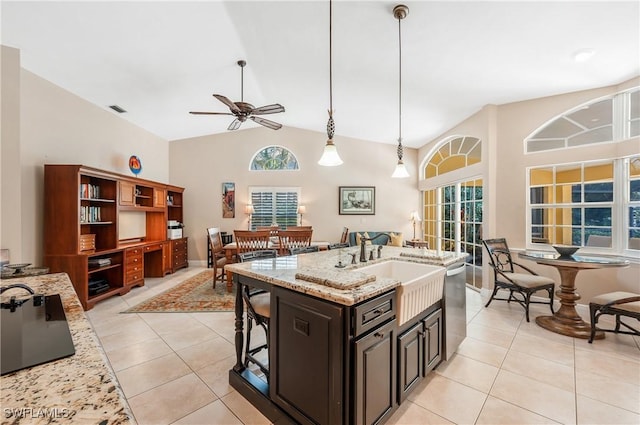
x: 433, y: 340
x: 86, y: 210
x: 306, y: 372
x: 375, y: 375
x: 419, y: 350
x: 410, y: 360
x: 333, y: 364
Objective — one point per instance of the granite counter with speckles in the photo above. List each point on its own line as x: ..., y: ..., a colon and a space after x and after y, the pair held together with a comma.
x: 282, y: 271
x: 78, y: 389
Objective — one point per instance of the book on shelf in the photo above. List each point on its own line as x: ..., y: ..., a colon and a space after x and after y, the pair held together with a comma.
x: 99, y: 262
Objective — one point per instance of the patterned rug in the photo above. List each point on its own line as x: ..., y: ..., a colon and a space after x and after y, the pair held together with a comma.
x: 193, y: 295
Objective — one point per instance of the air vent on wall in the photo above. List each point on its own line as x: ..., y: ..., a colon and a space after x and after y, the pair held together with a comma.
x: 117, y: 109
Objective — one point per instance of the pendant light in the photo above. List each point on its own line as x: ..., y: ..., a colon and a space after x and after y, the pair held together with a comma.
x: 400, y: 12
x: 330, y: 157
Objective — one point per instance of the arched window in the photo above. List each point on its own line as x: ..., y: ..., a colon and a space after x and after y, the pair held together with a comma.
x: 273, y: 158
x: 602, y: 120
x: 453, y: 211
x: 458, y: 153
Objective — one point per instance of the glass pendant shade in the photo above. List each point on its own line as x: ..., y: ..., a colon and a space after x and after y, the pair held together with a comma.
x: 330, y: 157
x: 401, y: 171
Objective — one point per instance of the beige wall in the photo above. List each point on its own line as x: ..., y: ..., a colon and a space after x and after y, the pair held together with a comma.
x: 202, y: 164
x: 503, y: 129
x: 57, y: 126
x: 10, y: 210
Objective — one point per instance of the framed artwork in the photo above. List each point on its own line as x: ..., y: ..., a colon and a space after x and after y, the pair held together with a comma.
x: 228, y: 200
x: 357, y: 200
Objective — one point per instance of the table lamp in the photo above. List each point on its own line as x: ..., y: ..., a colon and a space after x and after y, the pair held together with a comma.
x: 301, y: 210
x: 249, y: 210
x: 414, y: 217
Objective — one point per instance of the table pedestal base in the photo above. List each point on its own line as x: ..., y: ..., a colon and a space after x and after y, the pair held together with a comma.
x: 575, y: 327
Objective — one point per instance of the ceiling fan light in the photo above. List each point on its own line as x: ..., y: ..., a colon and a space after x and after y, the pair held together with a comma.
x: 401, y: 171
x: 330, y: 157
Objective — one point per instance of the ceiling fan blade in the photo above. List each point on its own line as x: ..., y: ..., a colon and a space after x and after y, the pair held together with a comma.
x: 268, y: 109
x: 269, y: 124
x: 227, y: 102
x: 234, y: 125
x: 209, y: 113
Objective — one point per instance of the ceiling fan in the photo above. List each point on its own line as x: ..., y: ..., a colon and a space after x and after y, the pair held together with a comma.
x: 242, y: 110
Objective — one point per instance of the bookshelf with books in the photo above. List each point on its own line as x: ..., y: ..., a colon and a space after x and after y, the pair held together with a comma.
x: 85, y: 237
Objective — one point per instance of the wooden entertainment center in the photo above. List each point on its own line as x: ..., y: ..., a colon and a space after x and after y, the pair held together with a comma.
x: 108, y: 231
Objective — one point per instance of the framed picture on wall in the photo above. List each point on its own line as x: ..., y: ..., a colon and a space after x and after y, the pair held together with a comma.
x: 228, y: 200
x: 357, y: 200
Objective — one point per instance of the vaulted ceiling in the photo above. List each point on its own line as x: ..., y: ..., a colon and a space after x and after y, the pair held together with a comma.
x: 160, y: 59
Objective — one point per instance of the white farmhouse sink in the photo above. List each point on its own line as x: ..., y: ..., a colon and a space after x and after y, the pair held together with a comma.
x: 421, y: 285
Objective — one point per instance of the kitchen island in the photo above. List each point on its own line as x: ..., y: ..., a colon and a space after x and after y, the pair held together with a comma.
x: 339, y: 352
x: 78, y: 389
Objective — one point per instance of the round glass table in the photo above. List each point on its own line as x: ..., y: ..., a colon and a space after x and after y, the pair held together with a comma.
x: 566, y: 320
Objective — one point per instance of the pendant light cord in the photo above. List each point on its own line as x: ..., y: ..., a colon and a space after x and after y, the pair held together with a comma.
x: 399, y: 81
x: 330, y: 63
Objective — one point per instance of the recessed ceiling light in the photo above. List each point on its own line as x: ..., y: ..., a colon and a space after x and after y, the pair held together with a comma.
x: 583, y: 55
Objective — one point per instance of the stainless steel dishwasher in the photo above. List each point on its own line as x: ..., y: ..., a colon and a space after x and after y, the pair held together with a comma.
x: 455, y: 312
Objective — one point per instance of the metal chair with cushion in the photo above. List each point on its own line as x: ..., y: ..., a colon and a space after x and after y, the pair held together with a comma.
x: 522, y: 285
x: 618, y: 304
x: 258, y: 304
x: 304, y: 249
x: 218, y: 257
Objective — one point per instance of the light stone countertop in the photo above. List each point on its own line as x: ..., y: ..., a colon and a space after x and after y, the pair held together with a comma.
x: 80, y: 389
x: 282, y: 271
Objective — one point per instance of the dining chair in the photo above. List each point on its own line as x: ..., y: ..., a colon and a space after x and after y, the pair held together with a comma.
x: 506, y: 277
x: 258, y: 302
x: 272, y: 229
x: 304, y: 249
x: 345, y: 235
x: 299, y: 227
x: 618, y: 304
x: 289, y: 239
x: 218, y: 256
x: 250, y: 240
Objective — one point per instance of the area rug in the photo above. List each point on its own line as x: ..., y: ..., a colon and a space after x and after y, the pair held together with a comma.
x: 195, y: 294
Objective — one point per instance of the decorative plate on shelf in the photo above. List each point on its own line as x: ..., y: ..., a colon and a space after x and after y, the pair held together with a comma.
x: 566, y: 250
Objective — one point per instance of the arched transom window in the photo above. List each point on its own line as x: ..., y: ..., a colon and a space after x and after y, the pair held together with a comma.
x: 602, y: 120
x: 274, y: 158
x: 458, y: 153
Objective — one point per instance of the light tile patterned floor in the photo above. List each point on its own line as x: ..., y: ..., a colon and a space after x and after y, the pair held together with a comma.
x: 173, y: 369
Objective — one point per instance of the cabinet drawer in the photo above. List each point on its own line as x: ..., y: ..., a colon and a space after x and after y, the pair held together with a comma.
x: 134, y: 268
x: 179, y: 245
x: 374, y: 312
x: 153, y: 247
x: 133, y: 277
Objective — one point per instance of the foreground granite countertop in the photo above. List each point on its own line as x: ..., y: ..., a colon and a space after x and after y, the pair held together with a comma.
x: 282, y: 271
x: 78, y: 389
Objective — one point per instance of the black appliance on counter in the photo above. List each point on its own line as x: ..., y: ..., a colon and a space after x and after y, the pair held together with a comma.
x: 34, y: 330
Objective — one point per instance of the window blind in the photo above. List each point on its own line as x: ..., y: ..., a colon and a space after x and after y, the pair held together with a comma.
x: 274, y: 205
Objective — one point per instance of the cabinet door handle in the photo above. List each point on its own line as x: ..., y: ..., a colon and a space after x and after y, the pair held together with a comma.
x: 379, y: 335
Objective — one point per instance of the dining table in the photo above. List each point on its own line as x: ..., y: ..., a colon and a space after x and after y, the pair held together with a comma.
x: 231, y: 249
x: 566, y: 320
